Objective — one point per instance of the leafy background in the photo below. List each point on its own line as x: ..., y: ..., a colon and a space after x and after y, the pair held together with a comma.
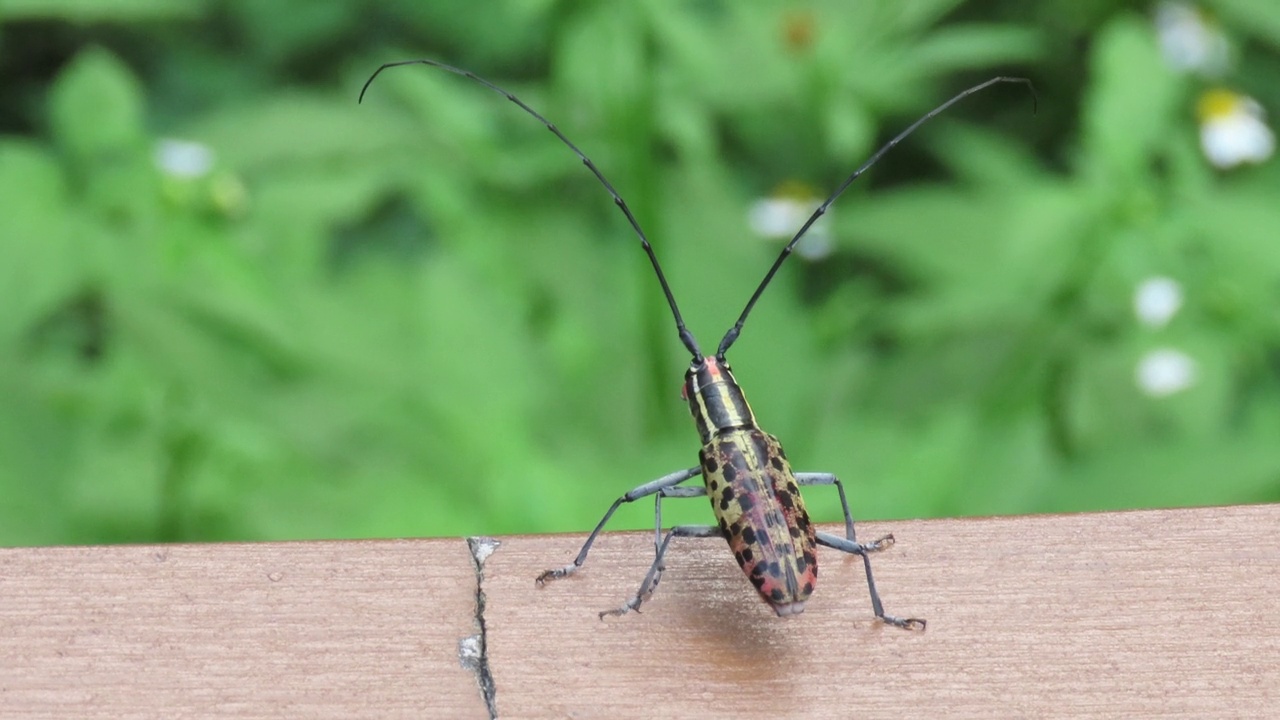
x: 420, y: 316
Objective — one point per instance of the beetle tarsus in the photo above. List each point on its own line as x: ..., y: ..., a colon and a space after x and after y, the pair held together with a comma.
x: 905, y: 623
x: 548, y: 575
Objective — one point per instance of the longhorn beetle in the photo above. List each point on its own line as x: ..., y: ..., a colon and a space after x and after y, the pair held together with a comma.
x: 754, y: 493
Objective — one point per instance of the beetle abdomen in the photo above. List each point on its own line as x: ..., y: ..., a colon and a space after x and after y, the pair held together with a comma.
x: 757, y: 501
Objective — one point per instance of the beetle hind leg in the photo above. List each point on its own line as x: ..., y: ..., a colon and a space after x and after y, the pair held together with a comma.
x: 654, y: 575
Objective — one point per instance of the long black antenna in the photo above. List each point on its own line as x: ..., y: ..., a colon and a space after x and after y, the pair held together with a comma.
x: 686, y: 337
x: 734, y: 331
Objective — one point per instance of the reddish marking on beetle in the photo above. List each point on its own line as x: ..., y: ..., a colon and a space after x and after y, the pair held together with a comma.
x: 713, y: 369
x: 757, y: 501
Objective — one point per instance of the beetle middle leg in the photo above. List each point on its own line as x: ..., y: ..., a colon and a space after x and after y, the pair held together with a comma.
x: 664, y: 485
x: 850, y: 544
x: 809, y: 479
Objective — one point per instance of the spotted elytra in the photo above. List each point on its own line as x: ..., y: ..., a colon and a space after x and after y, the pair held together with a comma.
x: 754, y: 493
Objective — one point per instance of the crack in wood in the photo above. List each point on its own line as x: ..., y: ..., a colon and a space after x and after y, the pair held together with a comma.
x: 473, y: 650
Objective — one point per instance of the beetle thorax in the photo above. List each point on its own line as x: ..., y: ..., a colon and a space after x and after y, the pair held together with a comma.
x: 716, y: 401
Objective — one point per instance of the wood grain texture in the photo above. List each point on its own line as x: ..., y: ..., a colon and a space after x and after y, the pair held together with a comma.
x: 302, y: 630
x: 1142, y: 614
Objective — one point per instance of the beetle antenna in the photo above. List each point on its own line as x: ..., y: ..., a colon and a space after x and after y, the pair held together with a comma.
x: 686, y: 337
x: 731, y: 336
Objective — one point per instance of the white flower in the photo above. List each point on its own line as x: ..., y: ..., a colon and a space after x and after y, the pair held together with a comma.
x: 1157, y: 300
x: 183, y: 158
x: 1232, y: 130
x: 782, y: 215
x: 1190, y: 41
x: 1165, y: 371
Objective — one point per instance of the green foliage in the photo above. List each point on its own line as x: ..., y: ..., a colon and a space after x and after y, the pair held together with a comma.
x: 421, y: 316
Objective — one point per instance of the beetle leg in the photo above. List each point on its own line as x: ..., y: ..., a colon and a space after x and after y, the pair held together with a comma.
x: 864, y: 550
x: 655, y: 570
x: 666, y: 482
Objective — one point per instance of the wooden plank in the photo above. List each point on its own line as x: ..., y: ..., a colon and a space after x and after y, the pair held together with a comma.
x: 314, y: 630
x: 1137, y: 614
x: 1140, y: 614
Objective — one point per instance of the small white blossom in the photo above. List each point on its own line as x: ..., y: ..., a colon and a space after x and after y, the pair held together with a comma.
x: 781, y: 216
x: 1232, y: 129
x: 1165, y: 371
x: 1190, y: 41
x: 183, y: 158
x: 1157, y: 300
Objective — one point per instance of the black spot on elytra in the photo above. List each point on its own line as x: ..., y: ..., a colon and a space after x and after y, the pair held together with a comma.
x: 777, y: 594
x: 749, y: 536
x: 810, y: 558
x: 802, y: 521
x: 776, y: 462
x: 801, y: 565
x: 795, y: 532
x: 807, y: 589
x: 775, y: 569
x: 788, y: 500
x: 730, y: 473
x: 727, y: 497
x: 747, y: 502
x: 724, y: 526
x: 710, y: 465
x: 746, y: 556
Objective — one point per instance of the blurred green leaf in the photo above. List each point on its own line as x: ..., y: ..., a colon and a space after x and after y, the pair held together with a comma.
x: 96, y: 106
x: 1130, y: 103
x: 37, y: 262
x: 421, y: 315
